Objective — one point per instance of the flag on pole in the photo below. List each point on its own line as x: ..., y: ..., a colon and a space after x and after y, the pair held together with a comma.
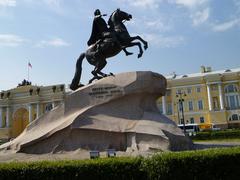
x: 29, y: 65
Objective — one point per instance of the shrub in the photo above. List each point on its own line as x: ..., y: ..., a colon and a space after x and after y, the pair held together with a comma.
x: 111, y: 168
x: 204, y: 164
x: 211, y: 135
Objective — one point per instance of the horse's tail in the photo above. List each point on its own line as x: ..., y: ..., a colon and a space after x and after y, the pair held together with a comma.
x: 75, y: 82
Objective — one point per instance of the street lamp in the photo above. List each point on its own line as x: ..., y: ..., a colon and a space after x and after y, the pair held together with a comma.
x: 180, y: 95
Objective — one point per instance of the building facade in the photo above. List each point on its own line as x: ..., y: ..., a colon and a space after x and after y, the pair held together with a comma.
x: 209, y: 98
x: 22, y: 105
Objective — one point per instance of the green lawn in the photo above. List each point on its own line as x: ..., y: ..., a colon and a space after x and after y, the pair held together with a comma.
x: 236, y: 140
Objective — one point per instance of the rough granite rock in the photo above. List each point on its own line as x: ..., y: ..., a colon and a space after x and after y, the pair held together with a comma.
x: 118, y: 112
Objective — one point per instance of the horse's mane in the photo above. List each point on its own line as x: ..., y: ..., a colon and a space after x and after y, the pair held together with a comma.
x: 110, y: 22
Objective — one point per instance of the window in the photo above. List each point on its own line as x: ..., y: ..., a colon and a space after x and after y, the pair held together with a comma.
x: 214, y: 87
x: 232, y: 101
x: 48, y: 107
x: 189, y: 90
x: 169, y: 109
x: 237, y: 100
x: 200, y: 105
x: 192, y: 120
x: 168, y: 93
x: 4, y: 121
x: 215, y: 103
x: 181, y: 121
x: 231, y: 96
x: 198, y: 89
x: 202, y: 120
x: 181, y: 106
x: 179, y: 91
x: 231, y: 88
x: 234, y: 117
x: 160, y: 108
x: 190, y: 105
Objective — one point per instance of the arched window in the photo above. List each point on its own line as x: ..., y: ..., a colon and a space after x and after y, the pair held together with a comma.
x: 234, y: 117
x: 232, y: 97
x: 231, y: 88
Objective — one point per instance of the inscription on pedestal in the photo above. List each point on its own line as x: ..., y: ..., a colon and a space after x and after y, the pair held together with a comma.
x: 106, y: 92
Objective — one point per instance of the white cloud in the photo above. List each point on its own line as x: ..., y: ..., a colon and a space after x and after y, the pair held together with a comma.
x: 200, y: 17
x: 141, y: 3
x: 56, y: 6
x: 189, y: 3
x: 145, y: 3
x: 199, y: 10
x: 11, y: 40
x: 159, y: 24
x: 226, y: 25
x: 164, y: 41
x: 56, y: 42
x: 8, y: 3
x: 53, y: 3
x: 48, y: 2
x: 237, y: 4
x: 156, y: 3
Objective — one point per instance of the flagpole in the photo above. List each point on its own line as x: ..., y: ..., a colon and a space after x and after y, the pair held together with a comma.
x: 28, y: 72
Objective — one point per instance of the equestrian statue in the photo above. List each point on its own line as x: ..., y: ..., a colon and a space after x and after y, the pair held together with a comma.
x: 106, y: 41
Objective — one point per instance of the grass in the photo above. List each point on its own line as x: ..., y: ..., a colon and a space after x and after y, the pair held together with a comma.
x: 235, y: 140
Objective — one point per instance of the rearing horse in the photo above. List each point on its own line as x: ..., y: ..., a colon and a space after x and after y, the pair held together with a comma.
x: 110, y: 47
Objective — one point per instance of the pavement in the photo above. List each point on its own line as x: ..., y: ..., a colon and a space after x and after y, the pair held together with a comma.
x: 81, y: 154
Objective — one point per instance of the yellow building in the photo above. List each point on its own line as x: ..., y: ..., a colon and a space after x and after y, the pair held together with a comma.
x: 210, y: 97
x: 23, y: 104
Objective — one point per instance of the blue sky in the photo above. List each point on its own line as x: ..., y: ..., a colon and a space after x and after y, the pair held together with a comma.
x: 182, y: 36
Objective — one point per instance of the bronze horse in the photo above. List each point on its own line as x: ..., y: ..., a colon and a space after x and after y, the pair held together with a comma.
x: 110, y: 46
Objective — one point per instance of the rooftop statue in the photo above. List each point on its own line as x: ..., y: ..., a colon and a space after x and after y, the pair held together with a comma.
x: 24, y: 83
x: 106, y: 41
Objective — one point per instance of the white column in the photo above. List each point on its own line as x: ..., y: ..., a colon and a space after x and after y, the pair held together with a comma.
x: 38, y: 110
x: 30, y: 112
x: 164, y: 105
x: 220, y: 96
x: 209, y: 97
x: 1, y: 123
x: 8, y: 117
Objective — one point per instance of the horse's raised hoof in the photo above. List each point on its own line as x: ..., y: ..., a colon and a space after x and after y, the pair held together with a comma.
x: 145, y: 45
x: 139, y: 55
x: 129, y: 53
